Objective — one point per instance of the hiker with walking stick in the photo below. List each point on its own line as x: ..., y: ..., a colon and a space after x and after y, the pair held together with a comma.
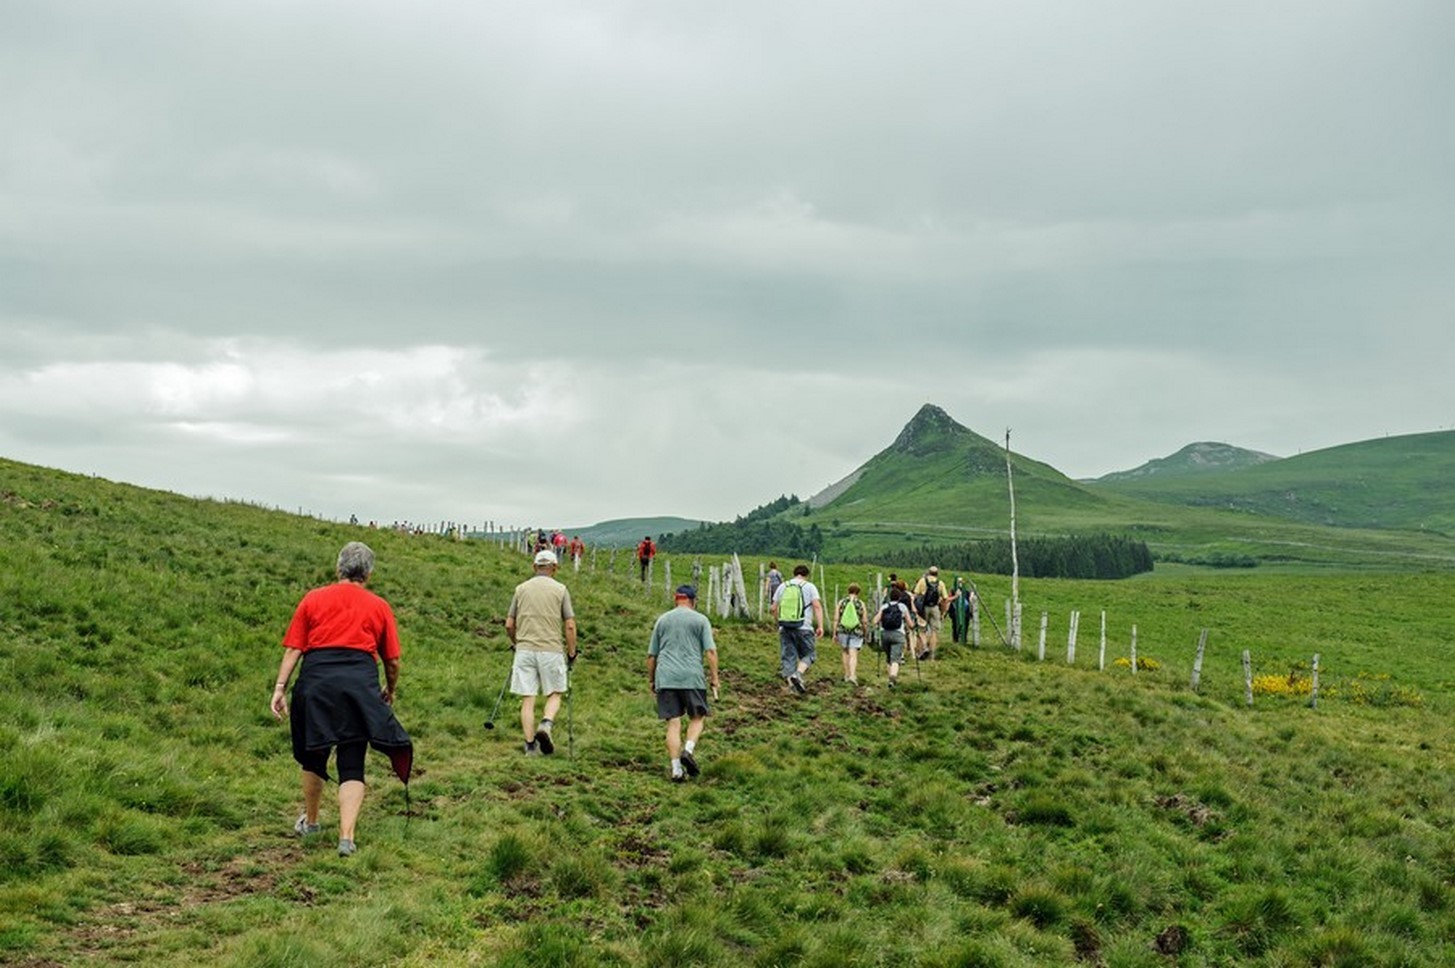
x: 540, y: 617
x: 681, y: 640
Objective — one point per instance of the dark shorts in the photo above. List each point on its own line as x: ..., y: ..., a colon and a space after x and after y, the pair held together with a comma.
x: 672, y: 703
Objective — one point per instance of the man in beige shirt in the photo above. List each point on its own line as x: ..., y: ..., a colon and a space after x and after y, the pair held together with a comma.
x: 540, y: 616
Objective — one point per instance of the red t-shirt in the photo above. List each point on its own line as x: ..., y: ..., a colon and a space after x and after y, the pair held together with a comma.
x: 344, y: 616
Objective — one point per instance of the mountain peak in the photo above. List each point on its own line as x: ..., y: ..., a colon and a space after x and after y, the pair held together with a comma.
x: 1198, y: 458
x: 930, y: 426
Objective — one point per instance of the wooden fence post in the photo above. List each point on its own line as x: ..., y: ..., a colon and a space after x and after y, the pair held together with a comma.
x: 667, y: 574
x: 975, y: 620
x: 1071, y: 637
x: 1041, y: 648
x: 1197, y: 662
x: 1313, y: 697
x: 762, y: 583
x: 1134, y: 650
x: 1101, y: 658
x: 1248, y: 676
x: 1016, y: 621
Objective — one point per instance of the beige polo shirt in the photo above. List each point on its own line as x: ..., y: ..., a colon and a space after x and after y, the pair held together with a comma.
x: 540, y: 608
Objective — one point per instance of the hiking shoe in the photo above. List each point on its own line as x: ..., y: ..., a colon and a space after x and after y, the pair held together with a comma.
x: 689, y: 763
x: 893, y: 683
x: 679, y: 777
x: 543, y: 739
x: 796, y: 681
x: 530, y: 749
x: 923, y: 655
x: 303, y: 828
x: 346, y: 847
x: 852, y: 681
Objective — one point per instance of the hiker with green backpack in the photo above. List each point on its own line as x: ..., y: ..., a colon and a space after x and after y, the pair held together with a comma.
x: 798, y: 610
x: 850, y: 618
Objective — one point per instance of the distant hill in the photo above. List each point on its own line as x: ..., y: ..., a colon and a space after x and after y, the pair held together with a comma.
x: 626, y: 532
x: 1205, y: 457
x: 1378, y: 504
x: 1405, y: 482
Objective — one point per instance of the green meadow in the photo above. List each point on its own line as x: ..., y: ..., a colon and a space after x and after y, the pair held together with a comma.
x: 996, y: 810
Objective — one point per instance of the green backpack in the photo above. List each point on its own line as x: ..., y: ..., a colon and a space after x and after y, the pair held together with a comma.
x: 790, y: 605
x: 849, y: 617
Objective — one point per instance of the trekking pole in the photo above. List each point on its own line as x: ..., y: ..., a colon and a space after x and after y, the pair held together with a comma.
x: 917, y: 677
x: 995, y: 625
x: 490, y: 723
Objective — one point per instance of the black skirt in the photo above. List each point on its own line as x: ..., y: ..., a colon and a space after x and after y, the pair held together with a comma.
x: 336, y: 700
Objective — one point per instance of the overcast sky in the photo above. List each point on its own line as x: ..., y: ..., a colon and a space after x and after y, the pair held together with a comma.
x: 553, y: 263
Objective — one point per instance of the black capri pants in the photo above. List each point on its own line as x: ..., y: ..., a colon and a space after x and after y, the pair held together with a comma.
x: 350, y: 761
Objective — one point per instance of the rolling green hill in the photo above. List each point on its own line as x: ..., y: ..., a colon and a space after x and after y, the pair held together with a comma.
x: 1396, y: 483
x: 993, y: 810
x: 1206, y: 457
x: 940, y: 483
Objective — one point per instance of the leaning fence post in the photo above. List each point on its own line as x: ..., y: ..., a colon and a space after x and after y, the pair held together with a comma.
x: 1197, y: 662
x: 1134, y: 650
x: 1041, y: 648
x: 1313, y: 696
x: 1248, y: 676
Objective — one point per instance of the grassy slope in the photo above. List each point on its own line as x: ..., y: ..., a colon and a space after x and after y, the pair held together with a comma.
x: 950, y: 487
x: 1395, y: 482
x: 1000, y: 812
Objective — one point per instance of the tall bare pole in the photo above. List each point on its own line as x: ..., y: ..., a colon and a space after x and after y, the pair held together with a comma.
x: 1015, y: 565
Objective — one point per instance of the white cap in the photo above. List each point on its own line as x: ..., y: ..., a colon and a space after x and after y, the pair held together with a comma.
x: 545, y: 558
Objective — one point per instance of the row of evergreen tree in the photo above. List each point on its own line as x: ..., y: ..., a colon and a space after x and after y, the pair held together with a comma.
x: 1073, y: 556
x: 759, y: 532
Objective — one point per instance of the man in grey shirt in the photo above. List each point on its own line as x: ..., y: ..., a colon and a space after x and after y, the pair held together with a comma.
x: 681, y: 640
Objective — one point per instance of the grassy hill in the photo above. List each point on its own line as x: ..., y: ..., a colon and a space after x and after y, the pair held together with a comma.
x: 1206, y: 457
x: 1396, y: 483
x: 626, y: 532
x: 941, y: 483
x: 995, y: 810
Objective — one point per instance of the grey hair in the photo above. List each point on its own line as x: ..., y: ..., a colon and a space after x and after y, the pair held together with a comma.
x: 355, y: 561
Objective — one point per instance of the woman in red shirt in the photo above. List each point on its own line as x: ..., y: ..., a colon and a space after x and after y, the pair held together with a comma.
x: 339, y: 633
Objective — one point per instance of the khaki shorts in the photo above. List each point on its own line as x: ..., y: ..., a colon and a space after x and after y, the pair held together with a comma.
x: 537, y: 673
x: 933, y: 617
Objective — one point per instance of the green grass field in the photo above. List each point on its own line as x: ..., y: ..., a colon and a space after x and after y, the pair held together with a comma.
x: 994, y: 811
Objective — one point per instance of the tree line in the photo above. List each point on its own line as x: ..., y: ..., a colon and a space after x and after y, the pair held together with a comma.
x: 1073, y: 556
x: 759, y: 532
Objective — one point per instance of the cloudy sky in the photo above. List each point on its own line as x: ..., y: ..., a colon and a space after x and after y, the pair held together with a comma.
x: 552, y: 263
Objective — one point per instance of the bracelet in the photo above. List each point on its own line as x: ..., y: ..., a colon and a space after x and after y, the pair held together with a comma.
x: 280, y: 685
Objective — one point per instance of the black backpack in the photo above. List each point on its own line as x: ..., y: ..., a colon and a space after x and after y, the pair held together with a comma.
x: 932, y: 593
x: 891, y: 617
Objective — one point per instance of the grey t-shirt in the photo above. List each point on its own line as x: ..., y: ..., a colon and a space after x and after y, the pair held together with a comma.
x: 680, y: 639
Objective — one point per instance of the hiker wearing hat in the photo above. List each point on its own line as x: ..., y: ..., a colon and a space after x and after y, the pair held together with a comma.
x: 681, y: 639
x: 930, y: 598
x: 540, y: 617
x: 338, y: 634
